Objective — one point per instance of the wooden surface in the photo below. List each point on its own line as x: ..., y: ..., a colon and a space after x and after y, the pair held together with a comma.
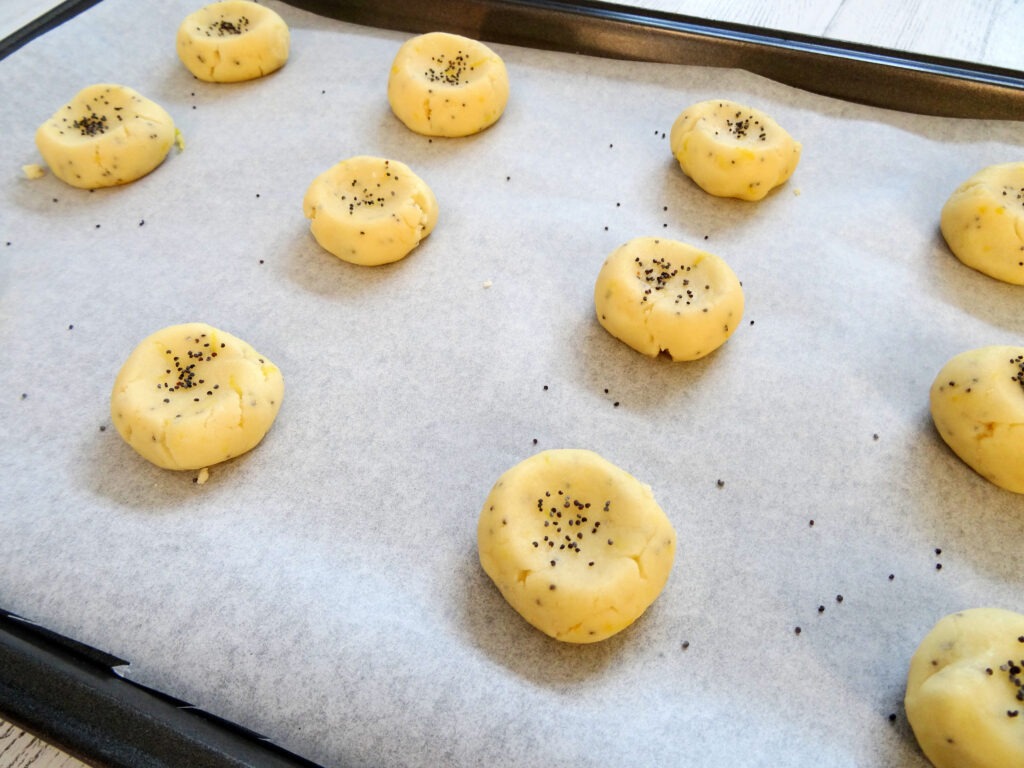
x: 21, y: 750
x: 981, y: 31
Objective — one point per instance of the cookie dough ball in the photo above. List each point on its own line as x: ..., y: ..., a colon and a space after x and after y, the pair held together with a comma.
x: 977, y: 404
x: 369, y: 210
x: 232, y: 41
x: 191, y: 396
x: 661, y: 295
x: 983, y: 222
x: 731, y: 150
x: 447, y: 85
x: 965, y: 692
x: 577, y: 546
x: 106, y: 135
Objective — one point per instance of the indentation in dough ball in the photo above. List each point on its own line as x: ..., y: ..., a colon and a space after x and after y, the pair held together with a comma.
x: 660, y: 295
x: 447, y: 85
x: 576, y: 545
x: 732, y: 150
x: 983, y: 222
x: 232, y: 41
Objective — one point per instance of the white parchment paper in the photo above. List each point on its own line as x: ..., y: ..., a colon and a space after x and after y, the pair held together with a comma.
x: 324, y: 589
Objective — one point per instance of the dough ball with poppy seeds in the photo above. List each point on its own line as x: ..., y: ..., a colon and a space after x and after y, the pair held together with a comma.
x: 732, y: 150
x: 233, y: 41
x: 370, y: 210
x: 660, y: 295
x: 977, y: 405
x: 190, y: 396
x: 442, y: 84
x: 983, y: 222
x: 107, y: 135
x: 576, y: 545
x: 965, y: 690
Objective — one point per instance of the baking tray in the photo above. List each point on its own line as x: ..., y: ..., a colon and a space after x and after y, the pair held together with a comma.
x: 42, y: 23
x: 72, y: 694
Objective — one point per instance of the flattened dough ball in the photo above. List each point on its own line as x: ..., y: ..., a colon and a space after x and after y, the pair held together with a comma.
x: 659, y: 295
x: 447, y: 85
x: 369, y: 210
x: 106, y: 135
x: 983, y: 222
x: 576, y: 545
x: 190, y: 396
x: 963, y: 690
x: 977, y: 404
x: 232, y: 41
x: 731, y: 150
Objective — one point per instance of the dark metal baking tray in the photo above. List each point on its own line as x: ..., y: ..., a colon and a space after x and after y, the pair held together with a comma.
x: 44, y: 22
x: 71, y: 694
x: 870, y: 75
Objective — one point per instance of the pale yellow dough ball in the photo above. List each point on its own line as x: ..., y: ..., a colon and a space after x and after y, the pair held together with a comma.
x: 977, y: 404
x: 190, y: 396
x: 576, y: 545
x: 447, y: 85
x: 732, y: 150
x: 232, y: 41
x: 108, y: 134
x: 983, y: 222
x: 660, y: 295
x: 964, y: 690
x: 370, y: 210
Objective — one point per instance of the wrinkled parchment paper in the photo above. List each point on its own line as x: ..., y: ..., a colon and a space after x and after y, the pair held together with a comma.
x: 324, y: 589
